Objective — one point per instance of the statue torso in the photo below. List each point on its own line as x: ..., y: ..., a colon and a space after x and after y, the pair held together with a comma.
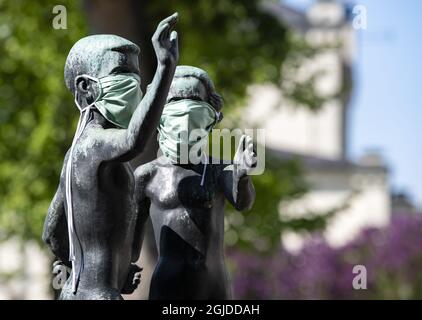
x: 188, y: 221
x: 104, y: 214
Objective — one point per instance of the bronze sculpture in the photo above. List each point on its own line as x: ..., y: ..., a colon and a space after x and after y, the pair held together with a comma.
x: 91, y: 223
x: 185, y: 200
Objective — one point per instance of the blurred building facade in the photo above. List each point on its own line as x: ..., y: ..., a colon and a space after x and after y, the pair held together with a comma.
x: 359, y: 191
x: 24, y: 271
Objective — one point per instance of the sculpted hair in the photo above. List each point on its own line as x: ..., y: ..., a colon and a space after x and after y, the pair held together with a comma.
x: 89, y: 54
x: 214, y: 98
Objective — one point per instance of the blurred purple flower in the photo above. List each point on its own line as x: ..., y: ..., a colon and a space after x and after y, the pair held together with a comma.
x: 392, y: 257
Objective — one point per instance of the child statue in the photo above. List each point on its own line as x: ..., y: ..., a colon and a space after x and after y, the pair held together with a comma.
x: 185, y: 199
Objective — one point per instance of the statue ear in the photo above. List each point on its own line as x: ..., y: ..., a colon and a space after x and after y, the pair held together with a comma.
x: 82, y: 85
x: 86, y: 89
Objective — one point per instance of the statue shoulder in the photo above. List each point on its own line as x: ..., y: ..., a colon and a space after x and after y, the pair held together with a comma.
x: 145, y: 171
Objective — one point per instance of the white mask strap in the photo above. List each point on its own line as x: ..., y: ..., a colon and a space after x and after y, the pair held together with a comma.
x: 76, y: 90
x: 84, y: 118
x: 205, y: 168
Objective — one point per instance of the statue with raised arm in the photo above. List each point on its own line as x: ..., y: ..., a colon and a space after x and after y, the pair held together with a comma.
x: 185, y: 198
x: 91, y: 223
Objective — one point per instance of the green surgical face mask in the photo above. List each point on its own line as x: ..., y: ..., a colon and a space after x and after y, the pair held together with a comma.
x: 119, y: 96
x: 183, y: 123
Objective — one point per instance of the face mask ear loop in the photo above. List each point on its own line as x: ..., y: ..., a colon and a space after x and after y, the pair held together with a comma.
x: 216, y: 119
x: 84, y: 118
x: 76, y: 92
x: 205, y: 168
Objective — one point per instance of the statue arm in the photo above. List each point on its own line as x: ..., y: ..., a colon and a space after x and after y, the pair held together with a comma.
x: 238, y: 189
x: 141, y: 219
x: 234, y: 179
x: 55, y: 233
x: 142, y: 177
x: 142, y: 213
x: 126, y: 144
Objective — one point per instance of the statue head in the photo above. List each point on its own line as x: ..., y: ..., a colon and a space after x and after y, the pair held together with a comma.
x: 98, y: 56
x: 193, y: 109
x: 195, y: 84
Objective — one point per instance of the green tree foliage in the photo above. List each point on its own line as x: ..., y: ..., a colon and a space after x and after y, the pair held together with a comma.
x: 235, y: 41
x: 260, y: 229
x: 37, y: 114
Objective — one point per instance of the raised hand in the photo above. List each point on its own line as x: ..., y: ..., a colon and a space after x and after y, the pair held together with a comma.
x: 165, y: 42
x: 245, y: 158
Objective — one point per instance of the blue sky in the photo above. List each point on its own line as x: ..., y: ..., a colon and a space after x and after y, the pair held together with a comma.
x: 386, y: 110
